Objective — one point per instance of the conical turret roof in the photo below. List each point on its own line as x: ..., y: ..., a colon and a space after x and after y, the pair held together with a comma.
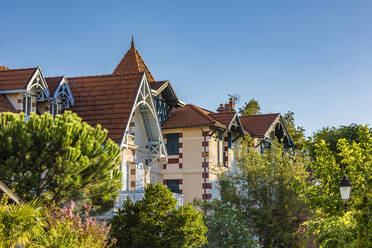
x: 132, y: 62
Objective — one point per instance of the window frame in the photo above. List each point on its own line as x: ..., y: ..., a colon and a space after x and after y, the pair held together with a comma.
x: 173, y: 140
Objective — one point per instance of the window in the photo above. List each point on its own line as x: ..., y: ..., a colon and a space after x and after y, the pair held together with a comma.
x: 229, y: 139
x: 173, y: 185
x: 172, y: 143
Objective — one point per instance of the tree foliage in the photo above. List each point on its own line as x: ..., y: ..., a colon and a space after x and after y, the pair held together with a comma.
x: 334, y: 232
x: 250, y: 108
x: 331, y: 136
x: 58, y: 159
x: 351, y: 157
x: 270, y: 188
x: 297, y: 133
x: 227, y: 225
x: 156, y: 222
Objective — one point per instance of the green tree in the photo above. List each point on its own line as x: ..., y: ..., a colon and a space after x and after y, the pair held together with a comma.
x: 227, y: 226
x: 334, y: 232
x: 297, y: 133
x: 350, y: 157
x: 156, y: 222
x: 270, y: 188
x: 250, y: 108
x: 331, y: 135
x: 58, y: 159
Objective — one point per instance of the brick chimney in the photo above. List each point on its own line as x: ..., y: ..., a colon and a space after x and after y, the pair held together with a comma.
x: 227, y: 107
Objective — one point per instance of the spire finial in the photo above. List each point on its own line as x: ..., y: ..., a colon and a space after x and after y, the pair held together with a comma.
x: 132, y: 44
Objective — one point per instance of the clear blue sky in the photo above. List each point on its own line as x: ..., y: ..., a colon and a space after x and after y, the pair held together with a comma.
x: 311, y: 57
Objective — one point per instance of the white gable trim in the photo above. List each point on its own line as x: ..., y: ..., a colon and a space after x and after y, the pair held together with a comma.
x: 164, y: 86
x: 38, y: 80
x: 278, y: 119
x: 144, y: 92
x: 62, y: 86
x: 272, y: 126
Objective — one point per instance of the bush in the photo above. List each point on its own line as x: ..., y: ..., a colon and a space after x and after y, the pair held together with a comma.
x: 32, y: 226
x: 65, y: 228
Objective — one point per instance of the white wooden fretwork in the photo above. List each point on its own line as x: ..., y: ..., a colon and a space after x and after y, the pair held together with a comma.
x: 65, y: 102
x: 155, y: 151
x: 40, y: 95
x: 65, y: 95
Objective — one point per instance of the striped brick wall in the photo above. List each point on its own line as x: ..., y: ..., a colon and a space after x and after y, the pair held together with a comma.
x: 205, y: 152
x: 226, y: 151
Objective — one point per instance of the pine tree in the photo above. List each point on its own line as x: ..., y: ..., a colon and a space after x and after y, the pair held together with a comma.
x: 58, y: 159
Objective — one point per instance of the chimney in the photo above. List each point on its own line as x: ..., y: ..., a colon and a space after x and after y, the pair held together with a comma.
x: 227, y: 107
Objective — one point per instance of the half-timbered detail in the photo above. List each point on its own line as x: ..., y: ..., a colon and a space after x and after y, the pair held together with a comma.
x: 165, y: 99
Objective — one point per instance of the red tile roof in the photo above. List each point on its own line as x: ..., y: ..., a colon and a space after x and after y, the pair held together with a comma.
x: 53, y: 83
x: 190, y: 116
x: 224, y: 117
x: 157, y: 84
x: 257, y: 125
x: 106, y: 100
x: 132, y: 62
x: 5, y: 105
x: 15, y: 79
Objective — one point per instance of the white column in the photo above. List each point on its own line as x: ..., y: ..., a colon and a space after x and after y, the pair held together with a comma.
x: 124, y: 175
x: 139, y: 176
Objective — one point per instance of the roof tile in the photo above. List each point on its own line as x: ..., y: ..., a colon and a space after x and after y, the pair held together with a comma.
x: 15, y: 79
x: 53, y: 83
x: 257, y: 125
x: 5, y: 105
x: 190, y: 116
x: 106, y: 100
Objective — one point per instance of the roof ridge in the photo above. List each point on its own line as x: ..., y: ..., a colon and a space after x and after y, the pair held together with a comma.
x: 54, y: 77
x: 196, y: 108
x: 20, y: 69
x: 109, y: 75
x: 259, y: 115
x: 147, y: 69
x: 224, y: 112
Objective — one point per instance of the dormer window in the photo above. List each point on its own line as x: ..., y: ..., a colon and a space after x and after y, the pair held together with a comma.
x: 62, y: 97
